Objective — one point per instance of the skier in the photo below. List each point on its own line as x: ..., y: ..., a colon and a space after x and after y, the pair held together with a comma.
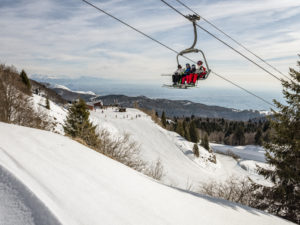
x: 201, y: 70
x: 190, y: 78
x: 186, y: 73
x: 177, y: 75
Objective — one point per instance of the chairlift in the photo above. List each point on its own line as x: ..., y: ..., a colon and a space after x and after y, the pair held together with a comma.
x: 182, y: 84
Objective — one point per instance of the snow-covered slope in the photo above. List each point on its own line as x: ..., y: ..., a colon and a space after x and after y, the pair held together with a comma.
x: 181, y: 168
x: 19, y: 206
x: 80, y: 186
x: 56, y: 114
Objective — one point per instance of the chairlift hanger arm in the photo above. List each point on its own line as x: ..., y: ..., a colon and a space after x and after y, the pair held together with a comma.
x: 193, y: 18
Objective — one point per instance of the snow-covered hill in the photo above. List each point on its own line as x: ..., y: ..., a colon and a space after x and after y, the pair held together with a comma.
x: 81, y: 186
x: 181, y: 167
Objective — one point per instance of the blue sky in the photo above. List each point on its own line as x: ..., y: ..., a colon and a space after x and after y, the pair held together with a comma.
x: 68, y: 38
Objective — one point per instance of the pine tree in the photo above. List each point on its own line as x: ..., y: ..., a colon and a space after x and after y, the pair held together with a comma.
x: 25, y: 79
x: 283, y: 153
x: 266, y: 137
x: 47, y: 103
x: 179, y: 129
x: 258, y: 137
x: 186, y: 130
x: 204, y: 142
x: 239, y: 136
x: 78, y: 125
x: 163, y: 119
x: 196, y: 150
x: 156, y: 114
x: 193, y: 133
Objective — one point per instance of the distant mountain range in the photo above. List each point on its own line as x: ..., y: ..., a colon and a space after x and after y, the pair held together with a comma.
x: 172, y: 108
x: 181, y: 108
x: 70, y: 95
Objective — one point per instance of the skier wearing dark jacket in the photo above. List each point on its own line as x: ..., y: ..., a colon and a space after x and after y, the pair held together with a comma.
x: 177, y: 75
x: 186, y: 73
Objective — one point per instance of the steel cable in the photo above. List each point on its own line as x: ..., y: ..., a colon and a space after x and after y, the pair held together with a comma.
x: 223, y: 42
x: 153, y: 39
x: 235, y: 41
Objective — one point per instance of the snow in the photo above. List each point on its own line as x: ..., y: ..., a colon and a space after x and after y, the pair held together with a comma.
x: 250, y: 156
x: 56, y: 114
x: 58, y: 86
x: 182, y: 169
x: 265, y: 113
x: 251, y: 166
x: 85, y: 92
x: 248, y: 152
x: 68, y: 89
x: 52, y: 86
x: 81, y: 186
x: 19, y: 206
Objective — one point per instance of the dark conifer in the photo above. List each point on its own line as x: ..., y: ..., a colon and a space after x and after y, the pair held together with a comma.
x: 186, y: 130
x: 179, y: 129
x: 25, y: 79
x: 239, y: 136
x: 258, y: 137
x: 78, y: 124
x: 204, y: 142
x: 47, y: 103
x: 193, y: 133
x: 283, y: 153
x: 163, y: 119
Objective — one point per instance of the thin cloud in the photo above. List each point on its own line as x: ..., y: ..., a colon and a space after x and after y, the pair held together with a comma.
x: 72, y: 39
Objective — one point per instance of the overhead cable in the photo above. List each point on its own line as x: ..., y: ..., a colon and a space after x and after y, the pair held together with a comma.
x: 231, y: 38
x: 223, y: 42
x: 153, y: 39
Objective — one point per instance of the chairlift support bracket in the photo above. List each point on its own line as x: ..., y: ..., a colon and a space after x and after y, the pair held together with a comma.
x: 193, y: 18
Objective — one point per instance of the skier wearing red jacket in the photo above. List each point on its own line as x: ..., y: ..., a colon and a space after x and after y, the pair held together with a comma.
x: 201, y: 70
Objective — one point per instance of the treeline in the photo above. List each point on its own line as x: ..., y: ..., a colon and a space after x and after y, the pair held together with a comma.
x: 221, y: 130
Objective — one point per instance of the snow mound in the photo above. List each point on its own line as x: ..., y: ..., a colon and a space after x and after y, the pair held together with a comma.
x: 81, y: 186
